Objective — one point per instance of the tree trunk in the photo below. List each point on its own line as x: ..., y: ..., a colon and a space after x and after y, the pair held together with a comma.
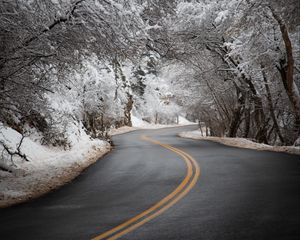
x: 259, y: 114
x: 247, y: 116
x: 271, y: 107
x: 127, y: 111
x: 261, y: 134
x: 286, y: 70
x: 206, y: 130
x: 201, y: 130
x: 237, y: 113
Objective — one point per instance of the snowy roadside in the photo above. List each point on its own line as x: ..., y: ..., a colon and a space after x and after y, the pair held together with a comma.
x: 48, y: 168
x: 241, y: 143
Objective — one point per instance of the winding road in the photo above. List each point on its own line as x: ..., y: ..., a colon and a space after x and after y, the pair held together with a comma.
x: 157, y: 186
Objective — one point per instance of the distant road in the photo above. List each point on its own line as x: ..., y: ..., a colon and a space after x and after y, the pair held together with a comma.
x: 157, y: 186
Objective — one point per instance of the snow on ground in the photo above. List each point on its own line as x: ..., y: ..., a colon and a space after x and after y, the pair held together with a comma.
x: 48, y: 168
x: 241, y: 143
x: 138, y: 123
x: 184, y: 121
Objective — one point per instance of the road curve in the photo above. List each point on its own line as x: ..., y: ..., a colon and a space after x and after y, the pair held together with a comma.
x: 241, y: 194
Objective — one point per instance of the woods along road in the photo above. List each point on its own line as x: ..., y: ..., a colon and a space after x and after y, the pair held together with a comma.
x: 155, y: 185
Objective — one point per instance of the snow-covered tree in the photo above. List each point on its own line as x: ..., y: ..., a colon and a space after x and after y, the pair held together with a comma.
x: 242, y: 53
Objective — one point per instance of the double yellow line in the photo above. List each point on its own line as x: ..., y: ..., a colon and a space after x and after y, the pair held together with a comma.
x: 192, y: 175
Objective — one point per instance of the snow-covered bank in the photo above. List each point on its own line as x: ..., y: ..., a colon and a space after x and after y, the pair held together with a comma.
x: 241, y: 143
x: 48, y: 167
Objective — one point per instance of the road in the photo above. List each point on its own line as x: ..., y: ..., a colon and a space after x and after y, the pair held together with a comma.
x: 240, y: 194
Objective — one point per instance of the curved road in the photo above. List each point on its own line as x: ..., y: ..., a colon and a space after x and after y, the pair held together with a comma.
x: 149, y: 187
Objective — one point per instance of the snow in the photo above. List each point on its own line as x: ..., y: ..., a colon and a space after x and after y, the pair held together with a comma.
x: 221, y: 16
x: 138, y: 123
x: 48, y: 168
x: 241, y: 143
x: 183, y: 121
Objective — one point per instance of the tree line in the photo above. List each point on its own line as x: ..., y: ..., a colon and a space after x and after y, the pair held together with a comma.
x: 238, y: 60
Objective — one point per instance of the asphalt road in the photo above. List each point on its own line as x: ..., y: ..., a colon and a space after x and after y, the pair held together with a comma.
x: 241, y: 194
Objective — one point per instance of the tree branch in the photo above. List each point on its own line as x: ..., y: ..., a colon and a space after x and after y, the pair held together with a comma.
x: 18, y: 151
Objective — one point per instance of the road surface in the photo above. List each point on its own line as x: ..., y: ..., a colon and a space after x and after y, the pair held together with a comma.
x: 145, y: 190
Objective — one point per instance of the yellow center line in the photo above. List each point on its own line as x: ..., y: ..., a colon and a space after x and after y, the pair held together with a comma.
x: 168, y: 201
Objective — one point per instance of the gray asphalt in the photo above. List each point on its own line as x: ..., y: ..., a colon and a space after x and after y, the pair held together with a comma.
x: 241, y: 194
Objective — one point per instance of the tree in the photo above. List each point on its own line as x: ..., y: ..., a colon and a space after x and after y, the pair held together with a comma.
x: 225, y: 37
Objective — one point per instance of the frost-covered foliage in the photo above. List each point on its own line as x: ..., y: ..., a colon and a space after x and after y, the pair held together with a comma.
x: 153, y: 93
x: 44, y: 42
x: 59, y: 66
x: 244, y: 56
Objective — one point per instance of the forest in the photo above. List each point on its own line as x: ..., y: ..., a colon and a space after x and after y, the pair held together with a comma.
x: 72, y: 66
